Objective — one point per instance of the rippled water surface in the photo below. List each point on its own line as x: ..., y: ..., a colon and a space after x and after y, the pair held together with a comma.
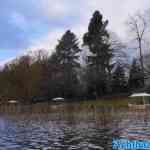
x: 72, y: 126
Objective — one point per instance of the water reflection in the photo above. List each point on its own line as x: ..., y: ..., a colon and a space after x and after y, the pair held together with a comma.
x: 69, y: 126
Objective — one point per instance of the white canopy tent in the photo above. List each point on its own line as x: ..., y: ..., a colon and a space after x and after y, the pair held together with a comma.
x: 143, y: 95
x: 140, y: 95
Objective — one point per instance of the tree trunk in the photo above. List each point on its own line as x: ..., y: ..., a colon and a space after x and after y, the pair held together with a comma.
x: 141, y: 61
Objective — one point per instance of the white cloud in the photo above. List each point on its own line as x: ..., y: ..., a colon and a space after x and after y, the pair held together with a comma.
x: 47, y: 42
x: 75, y: 15
x: 118, y: 11
x: 54, y: 8
x: 115, y: 11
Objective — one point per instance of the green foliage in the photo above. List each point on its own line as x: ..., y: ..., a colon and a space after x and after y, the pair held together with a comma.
x: 135, y: 76
x: 20, y: 79
x: 67, y: 51
x: 62, y: 75
x: 119, y: 82
x: 97, y: 39
x: 67, y: 55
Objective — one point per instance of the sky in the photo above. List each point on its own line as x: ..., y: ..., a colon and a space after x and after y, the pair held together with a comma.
x: 27, y: 25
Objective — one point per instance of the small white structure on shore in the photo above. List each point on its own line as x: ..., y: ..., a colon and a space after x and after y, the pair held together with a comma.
x: 140, y: 95
x: 139, y: 103
x: 12, y: 101
x: 58, y: 99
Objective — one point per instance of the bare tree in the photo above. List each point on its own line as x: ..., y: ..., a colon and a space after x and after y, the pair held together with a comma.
x: 138, y: 25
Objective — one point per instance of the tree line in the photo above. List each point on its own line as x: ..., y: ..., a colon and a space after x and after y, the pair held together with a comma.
x: 105, y: 71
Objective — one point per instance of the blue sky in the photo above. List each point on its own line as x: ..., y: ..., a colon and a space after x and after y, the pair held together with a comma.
x: 38, y: 24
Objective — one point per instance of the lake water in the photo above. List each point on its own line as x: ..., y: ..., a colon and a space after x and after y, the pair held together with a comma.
x: 72, y: 126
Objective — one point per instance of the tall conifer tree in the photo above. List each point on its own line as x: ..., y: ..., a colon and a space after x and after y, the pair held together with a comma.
x: 97, y: 39
x: 67, y: 52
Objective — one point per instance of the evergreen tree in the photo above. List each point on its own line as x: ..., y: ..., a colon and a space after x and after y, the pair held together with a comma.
x: 119, y: 83
x: 67, y: 52
x: 97, y: 39
x: 135, y: 76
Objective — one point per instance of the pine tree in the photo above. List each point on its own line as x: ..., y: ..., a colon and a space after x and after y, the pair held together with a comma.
x: 135, y: 76
x: 67, y: 52
x: 119, y: 83
x: 97, y: 39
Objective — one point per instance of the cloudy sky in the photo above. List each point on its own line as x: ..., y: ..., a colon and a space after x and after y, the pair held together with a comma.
x: 35, y: 24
